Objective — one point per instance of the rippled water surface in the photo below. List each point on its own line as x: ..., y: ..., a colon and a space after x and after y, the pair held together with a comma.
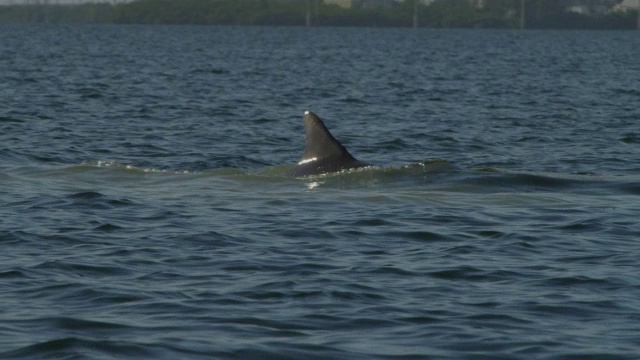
x: 145, y: 213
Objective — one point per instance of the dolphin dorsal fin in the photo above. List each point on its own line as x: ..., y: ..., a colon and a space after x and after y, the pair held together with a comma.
x: 320, y: 144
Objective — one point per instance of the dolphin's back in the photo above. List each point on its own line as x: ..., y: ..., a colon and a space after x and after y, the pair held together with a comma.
x: 319, y: 141
x: 322, y: 152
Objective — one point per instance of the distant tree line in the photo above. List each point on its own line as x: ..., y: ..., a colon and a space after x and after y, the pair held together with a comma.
x: 440, y: 13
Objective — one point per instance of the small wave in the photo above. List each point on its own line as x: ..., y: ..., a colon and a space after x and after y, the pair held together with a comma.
x: 459, y: 273
x: 492, y: 181
x: 91, y: 200
x: 631, y: 188
x: 81, y: 269
x: 108, y: 228
x: 88, y: 195
x: 12, y: 274
x: 116, y: 165
x: 70, y: 347
x: 627, y: 91
x: 396, y: 144
x: 568, y: 281
x: 512, y: 180
x: 420, y: 236
x: 631, y: 138
x: 7, y: 119
x: 71, y: 323
x: 212, y: 71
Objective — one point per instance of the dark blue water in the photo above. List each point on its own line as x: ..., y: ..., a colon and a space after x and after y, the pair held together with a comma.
x: 144, y: 212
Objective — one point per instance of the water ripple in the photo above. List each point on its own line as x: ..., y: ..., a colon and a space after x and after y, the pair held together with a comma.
x: 145, y: 213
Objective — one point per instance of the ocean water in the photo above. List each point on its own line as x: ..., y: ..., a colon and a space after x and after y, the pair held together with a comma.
x: 144, y: 212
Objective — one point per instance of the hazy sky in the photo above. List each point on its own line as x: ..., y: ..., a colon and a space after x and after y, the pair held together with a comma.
x: 15, y: 2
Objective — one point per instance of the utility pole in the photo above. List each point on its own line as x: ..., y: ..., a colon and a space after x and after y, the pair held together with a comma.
x: 46, y: 11
x: 522, y: 15
x: 415, y: 14
x: 308, y: 22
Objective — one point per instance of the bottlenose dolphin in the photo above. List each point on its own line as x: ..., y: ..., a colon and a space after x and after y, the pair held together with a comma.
x: 322, y: 152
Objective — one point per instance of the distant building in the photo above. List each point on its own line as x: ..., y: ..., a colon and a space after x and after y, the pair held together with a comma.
x: 478, y: 4
x: 376, y: 3
x: 627, y: 5
x: 579, y: 9
x: 348, y: 4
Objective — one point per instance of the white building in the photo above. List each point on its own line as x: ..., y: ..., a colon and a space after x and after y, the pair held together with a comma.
x: 627, y: 5
x: 348, y: 4
x: 579, y: 9
x: 342, y: 3
x: 479, y: 4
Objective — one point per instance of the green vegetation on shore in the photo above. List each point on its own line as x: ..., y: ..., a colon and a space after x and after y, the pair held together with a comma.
x: 441, y: 13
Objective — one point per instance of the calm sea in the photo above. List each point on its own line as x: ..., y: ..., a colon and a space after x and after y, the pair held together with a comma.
x: 144, y: 213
